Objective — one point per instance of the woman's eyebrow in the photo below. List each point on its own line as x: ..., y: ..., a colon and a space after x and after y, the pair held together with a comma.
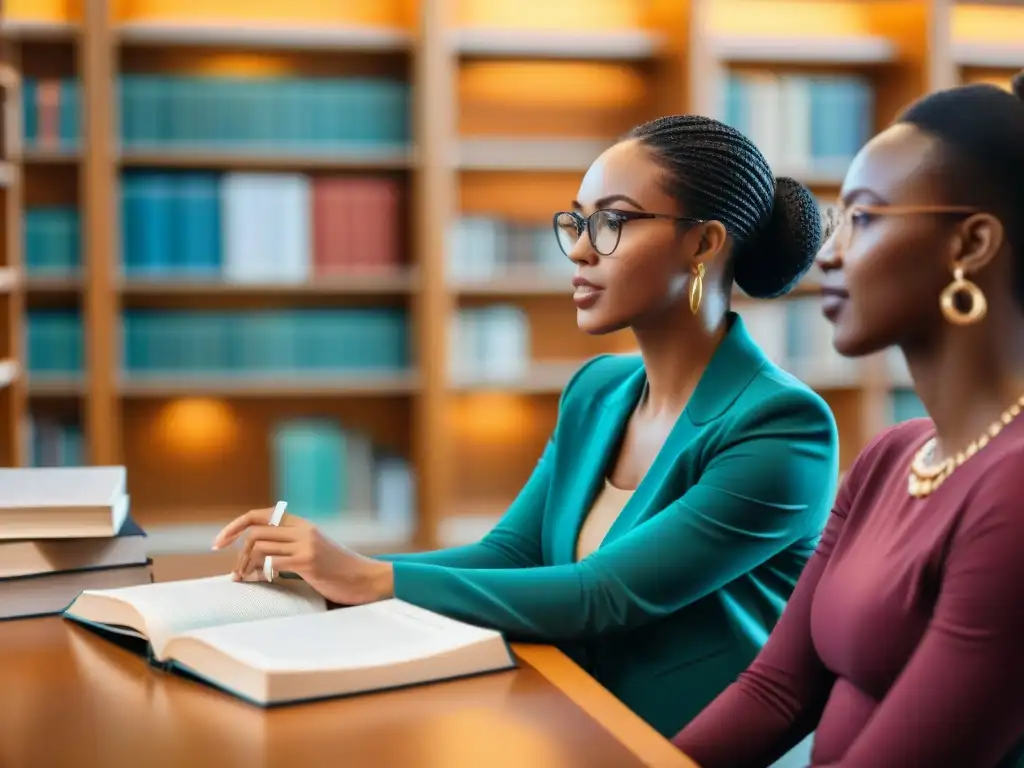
x: 608, y: 200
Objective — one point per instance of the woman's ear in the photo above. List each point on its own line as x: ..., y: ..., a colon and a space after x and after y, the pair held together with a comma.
x: 981, y: 236
x: 713, y: 239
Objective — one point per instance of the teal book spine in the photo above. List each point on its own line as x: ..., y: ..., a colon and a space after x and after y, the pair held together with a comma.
x: 69, y: 126
x: 29, y: 111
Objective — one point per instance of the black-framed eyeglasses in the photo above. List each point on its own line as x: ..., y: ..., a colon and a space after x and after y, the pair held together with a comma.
x: 604, y: 227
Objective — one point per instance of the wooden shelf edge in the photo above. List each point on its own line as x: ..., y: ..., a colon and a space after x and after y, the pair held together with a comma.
x: 258, y: 385
x: 55, y: 386
x: 533, y: 154
x: 230, y: 158
x: 523, y: 285
x: 834, y: 49
x: 541, y: 378
x: 366, y: 39
x: 336, y: 285
x: 982, y: 55
x: 50, y: 156
x: 361, y: 535
x: 53, y: 284
x: 497, y: 43
x: 38, y: 30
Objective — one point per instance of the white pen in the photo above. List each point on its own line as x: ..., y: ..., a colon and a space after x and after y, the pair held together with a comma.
x: 275, y: 519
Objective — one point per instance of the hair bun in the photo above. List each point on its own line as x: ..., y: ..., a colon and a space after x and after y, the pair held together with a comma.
x: 1017, y: 85
x: 775, y: 261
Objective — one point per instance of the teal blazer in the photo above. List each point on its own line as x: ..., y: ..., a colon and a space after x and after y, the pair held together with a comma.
x: 694, y: 573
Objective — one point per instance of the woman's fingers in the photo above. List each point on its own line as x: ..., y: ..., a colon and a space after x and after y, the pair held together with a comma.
x: 267, y: 534
x: 232, y: 530
x: 255, y: 552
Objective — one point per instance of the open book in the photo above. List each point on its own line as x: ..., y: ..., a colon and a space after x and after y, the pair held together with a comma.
x: 278, y: 643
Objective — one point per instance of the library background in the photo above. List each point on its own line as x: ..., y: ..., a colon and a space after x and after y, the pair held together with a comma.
x: 256, y: 250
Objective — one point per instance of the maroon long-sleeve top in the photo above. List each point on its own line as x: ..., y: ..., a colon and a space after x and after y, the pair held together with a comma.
x: 903, y: 643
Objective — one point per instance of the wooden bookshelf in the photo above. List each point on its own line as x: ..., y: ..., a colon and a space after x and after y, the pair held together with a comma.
x: 506, y: 115
x: 12, y: 381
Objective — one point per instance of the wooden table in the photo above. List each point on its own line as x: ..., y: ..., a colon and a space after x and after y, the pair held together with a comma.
x: 69, y: 698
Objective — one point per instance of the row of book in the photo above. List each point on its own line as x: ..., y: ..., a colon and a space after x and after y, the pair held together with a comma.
x: 796, y: 336
x: 493, y: 343
x: 259, y: 227
x: 325, y: 469
x: 54, y: 441
x: 64, y: 530
x: 52, y: 240
x: 308, y: 113
x: 487, y: 248
x: 332, y: 341
x: 489, y: 343
x: 803, y: 124
x: 51, y: 113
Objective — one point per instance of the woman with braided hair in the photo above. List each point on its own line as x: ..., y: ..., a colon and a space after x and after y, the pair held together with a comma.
x: 684, y: 488
x: 902, y: 644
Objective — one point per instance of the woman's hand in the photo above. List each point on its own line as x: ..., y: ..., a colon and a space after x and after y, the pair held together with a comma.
x: 297, y: 546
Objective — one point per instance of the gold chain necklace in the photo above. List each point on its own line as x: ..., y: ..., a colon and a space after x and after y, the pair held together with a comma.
x: 925, y: 478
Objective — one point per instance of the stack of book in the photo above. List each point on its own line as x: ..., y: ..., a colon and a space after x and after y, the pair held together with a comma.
x: 489, y: 248
x: 329, y: 471
x: 52, y: 241
x: 490, y: 343
x: 804, y: 124
x: 51, y: 113
x: 254, y: 227
x: 54, y: 441
x: 64, y: 530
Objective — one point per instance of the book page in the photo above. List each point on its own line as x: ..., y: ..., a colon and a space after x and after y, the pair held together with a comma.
x: 376, y: 634
x: 170, y: 608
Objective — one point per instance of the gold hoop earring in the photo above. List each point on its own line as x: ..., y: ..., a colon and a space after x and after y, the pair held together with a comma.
x: 962, y: 289
x: 697, y: 289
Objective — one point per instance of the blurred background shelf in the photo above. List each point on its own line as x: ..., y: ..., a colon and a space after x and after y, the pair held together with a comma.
x: 264, y: 36
x: 610, y: 45
x: 304, y: 250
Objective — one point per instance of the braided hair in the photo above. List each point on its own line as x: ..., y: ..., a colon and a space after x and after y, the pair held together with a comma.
x: 716, y: 173
x: 979, y: 128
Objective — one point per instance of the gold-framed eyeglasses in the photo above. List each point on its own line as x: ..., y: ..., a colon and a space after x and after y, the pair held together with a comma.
x: 842, y: 222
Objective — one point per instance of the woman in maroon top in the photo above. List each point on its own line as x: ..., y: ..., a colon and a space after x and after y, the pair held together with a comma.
x: 903, y: 643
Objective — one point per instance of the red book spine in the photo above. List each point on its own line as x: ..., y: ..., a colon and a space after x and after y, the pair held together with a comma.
x: 321, y: 219
x: 48, y: 103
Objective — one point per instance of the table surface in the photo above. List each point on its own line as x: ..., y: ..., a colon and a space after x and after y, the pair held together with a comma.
x: 70, y: 698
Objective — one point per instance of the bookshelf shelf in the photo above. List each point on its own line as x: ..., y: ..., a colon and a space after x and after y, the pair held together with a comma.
x: 523, y: 284
x: 983, y: 55
x: 48, y: 387
x: 617, y: 45
x: 38, y: 31
x: 301, y: 159
x: 265, y: 36
x: 528, y: 154
x: 37, y: 156
x: 269, y: 386
x: 837, y: 50
x: 382, y: 285
x: 502, y: 122
x: 368, y: 536
x: 542, y: 378
x: 36, y: 283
